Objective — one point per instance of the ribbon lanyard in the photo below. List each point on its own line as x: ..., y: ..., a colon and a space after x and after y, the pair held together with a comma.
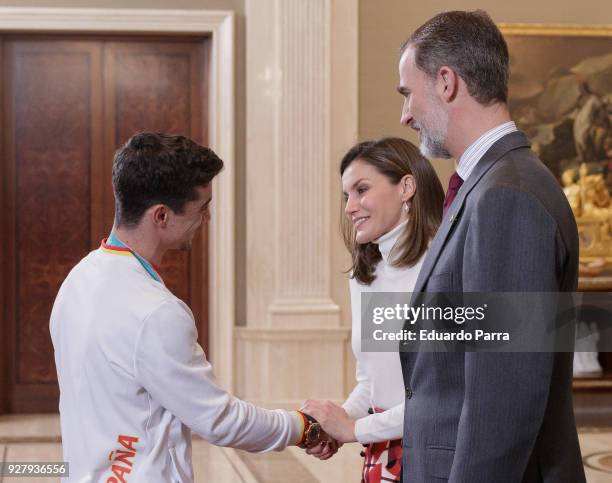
x: 113, y: 241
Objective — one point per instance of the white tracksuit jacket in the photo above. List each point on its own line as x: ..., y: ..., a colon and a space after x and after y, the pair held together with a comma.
x: 134, y: 381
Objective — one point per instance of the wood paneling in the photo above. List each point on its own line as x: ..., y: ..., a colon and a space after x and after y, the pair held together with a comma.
x: 52, y: 164
x: 68, y: 104
x: 49, y: 122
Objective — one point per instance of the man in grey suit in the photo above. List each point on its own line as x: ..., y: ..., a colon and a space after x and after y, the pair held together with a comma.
x: 486, y: 417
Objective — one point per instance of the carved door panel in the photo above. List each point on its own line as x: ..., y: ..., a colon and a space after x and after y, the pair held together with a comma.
x: 51, y: 147
x: 67, y: 105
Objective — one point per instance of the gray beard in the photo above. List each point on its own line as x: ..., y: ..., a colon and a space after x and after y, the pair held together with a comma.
x: 433, y: 148
x: 433, y: 135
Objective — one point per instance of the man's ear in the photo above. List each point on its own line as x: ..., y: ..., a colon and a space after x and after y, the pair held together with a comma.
x: 447, y: 83
x: 160, y: 214
x: 408, y: 185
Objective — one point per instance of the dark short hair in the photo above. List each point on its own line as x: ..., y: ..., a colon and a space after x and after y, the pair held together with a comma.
x: 153, y: 168
x: 395, y: 158
x: 469, y: 43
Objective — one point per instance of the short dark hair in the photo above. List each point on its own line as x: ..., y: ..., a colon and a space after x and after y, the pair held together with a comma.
x: 152, y: 168
x: 469, y: 43
x: 395, y: 158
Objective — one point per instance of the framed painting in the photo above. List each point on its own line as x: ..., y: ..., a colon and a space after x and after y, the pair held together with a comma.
x: 560, y: 95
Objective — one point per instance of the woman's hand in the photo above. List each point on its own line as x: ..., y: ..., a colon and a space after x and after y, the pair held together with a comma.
x: 333, y: 419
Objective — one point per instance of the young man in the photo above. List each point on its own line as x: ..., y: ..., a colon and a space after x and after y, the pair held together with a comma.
x: 486, y: 417
x: 133, y: 380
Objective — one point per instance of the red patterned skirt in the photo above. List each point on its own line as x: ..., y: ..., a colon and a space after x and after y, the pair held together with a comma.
x: 382, y: 461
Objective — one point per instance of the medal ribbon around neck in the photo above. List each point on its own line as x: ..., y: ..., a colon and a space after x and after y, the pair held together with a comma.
x: 113, y: 245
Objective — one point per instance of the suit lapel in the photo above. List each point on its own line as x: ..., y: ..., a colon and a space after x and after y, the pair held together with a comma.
x: 509, y: 142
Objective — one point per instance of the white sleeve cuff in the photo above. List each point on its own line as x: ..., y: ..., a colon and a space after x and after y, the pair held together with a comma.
x: 378, y: 427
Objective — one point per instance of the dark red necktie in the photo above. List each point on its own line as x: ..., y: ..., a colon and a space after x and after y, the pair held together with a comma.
x: 454, y: 184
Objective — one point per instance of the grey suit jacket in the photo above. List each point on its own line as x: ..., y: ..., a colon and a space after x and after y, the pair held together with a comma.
x: 496, y: 417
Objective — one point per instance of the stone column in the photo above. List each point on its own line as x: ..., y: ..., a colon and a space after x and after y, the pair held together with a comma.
x: 294, y: 343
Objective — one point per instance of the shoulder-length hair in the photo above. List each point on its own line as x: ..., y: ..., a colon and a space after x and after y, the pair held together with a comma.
x: 396, y: 158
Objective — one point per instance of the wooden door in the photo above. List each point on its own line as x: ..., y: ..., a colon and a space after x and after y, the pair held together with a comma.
x: 67, y: 104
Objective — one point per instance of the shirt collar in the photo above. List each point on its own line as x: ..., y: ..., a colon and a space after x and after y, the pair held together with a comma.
x: 478, y: 148
x: 115, y: 246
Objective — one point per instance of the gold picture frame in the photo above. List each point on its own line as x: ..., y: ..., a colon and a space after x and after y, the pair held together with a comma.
x: 560, y: 94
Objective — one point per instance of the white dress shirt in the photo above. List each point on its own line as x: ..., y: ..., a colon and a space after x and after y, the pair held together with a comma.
x: 478, y: 148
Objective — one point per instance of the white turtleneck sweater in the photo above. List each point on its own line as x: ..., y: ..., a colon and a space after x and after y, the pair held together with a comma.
x: 379, y: 374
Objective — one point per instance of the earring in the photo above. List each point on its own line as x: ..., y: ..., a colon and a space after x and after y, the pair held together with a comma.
x: 407, y: 206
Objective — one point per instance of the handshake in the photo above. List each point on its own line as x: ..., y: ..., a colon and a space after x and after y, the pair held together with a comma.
x: 330, y: 427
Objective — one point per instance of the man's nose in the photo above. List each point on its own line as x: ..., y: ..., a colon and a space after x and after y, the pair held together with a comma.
x: 406, y: 117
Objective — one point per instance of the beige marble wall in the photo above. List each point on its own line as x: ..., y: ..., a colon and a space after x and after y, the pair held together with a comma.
x: 344, y: 128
